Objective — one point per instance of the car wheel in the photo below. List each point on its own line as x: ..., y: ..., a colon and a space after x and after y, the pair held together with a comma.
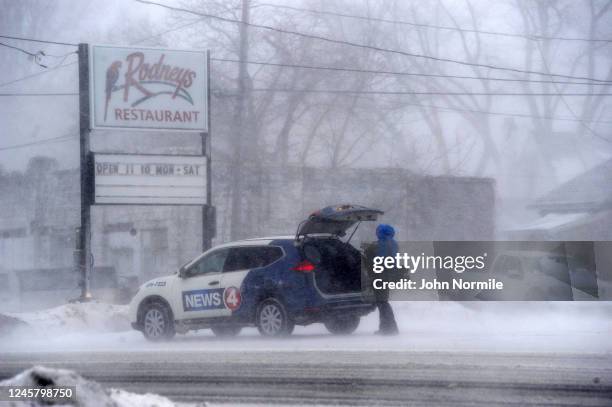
x: 157, y: 323
x: 344, y: 325
x: 272, y: 319
x: 226, y: 330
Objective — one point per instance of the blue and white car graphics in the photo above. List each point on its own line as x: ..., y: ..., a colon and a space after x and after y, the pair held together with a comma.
x: 270, y: 283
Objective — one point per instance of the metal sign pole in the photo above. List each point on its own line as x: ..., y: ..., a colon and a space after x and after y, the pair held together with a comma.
x: 207, y: 211
x: 84, y: 245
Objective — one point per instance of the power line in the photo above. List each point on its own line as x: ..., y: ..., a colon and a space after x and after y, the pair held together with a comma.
x: 339, y: 69
x: 67, y: 138
x: 43, y: 141
x: 567, y: 105
x: 168, y: 31
x: 39, y: 94
x: 599, y: 81
x: 495, y: 113
x: 18, y: 49
x: 372, y: 47
x: 36, y: 74
x: 61, y: 65
x: 37, y: 57
x: 440, y: 27
x: 350, y: 92
x: 384, y: 72
x: 41, y: 41
x: 381, y: 92
x: 358, y: 92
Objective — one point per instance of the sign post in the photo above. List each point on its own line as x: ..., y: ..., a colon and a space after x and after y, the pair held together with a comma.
x: 84, y: 232
x: 208, y: 212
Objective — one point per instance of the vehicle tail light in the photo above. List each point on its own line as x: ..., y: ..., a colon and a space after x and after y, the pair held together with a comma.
x: 304, y: 266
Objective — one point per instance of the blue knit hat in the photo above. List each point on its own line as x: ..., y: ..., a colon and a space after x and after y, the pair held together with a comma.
x: 384, y: 231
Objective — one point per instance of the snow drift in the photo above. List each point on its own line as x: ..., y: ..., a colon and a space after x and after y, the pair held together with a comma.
x: 88, y: 393
x: 88, y: 317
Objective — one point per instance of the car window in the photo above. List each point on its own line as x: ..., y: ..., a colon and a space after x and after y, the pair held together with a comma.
x: 252, y: 257
x: 211, y: 263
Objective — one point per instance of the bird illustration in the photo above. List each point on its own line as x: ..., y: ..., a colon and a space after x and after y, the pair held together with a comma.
x: 112, y: 75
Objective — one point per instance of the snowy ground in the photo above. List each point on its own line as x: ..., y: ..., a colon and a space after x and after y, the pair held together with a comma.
x: 92, y: 337
x: 92, y: 317
x: 573, y: 327
x: 91, y: 394
x: 88, y: 393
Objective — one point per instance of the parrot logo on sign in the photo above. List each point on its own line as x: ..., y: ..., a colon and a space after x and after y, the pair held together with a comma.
x: 112, y: 76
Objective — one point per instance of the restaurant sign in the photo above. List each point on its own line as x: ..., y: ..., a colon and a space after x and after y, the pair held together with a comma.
x: 149, y: 179
x: 148, y: 88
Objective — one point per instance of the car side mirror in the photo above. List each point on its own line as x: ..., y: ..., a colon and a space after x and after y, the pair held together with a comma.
x: 182, y: 273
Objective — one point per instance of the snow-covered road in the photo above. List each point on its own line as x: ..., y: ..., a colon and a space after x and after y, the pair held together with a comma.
x: 447, y: 354
x: 346, y: 377
x: 425, y: 326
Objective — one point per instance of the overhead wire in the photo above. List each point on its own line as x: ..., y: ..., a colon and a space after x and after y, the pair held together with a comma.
x: 400, y: 73
x: 61, y: 64
x: 18, y: 49
x: 358, y: 92
x: 20, y: 94
x: 593, y: 81
x: 11, y: 37
x: 222, y: 93
x: 417, y: 93
x: 434, y: 26
x: 365, y: 46
x: 567, y: 105
x: 38, y: 142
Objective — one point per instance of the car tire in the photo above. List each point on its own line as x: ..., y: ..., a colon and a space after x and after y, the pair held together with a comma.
x: 226, y: 331
x: 272, y: 319
x: 157, y: 322
x: 344, y: 325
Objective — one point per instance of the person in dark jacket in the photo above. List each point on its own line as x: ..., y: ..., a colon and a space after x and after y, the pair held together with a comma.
x: 386, y: 246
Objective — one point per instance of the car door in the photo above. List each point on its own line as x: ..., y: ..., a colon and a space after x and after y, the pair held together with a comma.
x: 240, y: 261
x: 199, y: 293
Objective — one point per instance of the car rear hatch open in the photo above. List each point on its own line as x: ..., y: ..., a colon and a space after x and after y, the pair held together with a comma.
x: 337, y: 265
x: 336, y: 219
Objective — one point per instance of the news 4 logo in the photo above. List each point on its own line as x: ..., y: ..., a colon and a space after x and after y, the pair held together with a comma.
x: 201, y: 300
x: 232, y: 298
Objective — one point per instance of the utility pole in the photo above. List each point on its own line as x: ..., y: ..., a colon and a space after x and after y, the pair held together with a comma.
x: 84, y: 233
x: 240, y: 131
x: 208, y: 212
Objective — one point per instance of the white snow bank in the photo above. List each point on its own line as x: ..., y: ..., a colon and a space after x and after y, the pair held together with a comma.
x: 77, y: 317
x: 126, y: 399
x: 88, y: 393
